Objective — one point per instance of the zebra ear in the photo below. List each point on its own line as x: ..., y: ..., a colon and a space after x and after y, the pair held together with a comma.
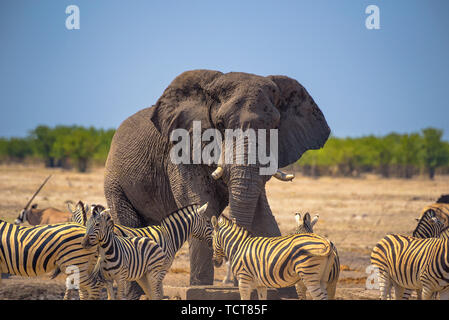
x: 298, y: 218
x: 214, y: 222
x: 314, y: 220
x: 203, y: 209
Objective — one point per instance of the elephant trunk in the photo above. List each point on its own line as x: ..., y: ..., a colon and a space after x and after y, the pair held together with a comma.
x: 245, y: 186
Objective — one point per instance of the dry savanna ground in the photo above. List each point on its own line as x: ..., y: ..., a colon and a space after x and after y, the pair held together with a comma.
x: 354, y: 214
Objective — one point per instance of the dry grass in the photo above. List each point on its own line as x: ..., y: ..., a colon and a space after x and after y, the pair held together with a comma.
x: 354, y: 213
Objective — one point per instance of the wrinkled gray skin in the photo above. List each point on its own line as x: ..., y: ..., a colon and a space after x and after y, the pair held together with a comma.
x: 142, y: 185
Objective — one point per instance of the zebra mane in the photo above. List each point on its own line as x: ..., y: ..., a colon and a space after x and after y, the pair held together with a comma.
x: 233, y: 222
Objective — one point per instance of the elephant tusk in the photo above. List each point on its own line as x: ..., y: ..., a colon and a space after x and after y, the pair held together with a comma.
x: 217, y: 173
x: 283, y: 176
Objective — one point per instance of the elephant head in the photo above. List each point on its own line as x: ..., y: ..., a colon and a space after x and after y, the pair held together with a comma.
x: 244, y: 101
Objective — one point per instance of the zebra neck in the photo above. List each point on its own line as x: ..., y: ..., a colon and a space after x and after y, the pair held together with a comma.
x: 109, y: 245
x: 176, y: 229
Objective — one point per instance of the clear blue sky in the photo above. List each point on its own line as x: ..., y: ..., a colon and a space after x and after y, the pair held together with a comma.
x: 127, y: 52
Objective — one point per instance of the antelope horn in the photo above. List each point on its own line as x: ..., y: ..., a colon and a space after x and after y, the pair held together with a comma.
x: 37, y: 191
x: 283, y: 176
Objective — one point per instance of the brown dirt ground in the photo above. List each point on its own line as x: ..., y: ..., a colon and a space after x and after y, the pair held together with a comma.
x: 355, y: 213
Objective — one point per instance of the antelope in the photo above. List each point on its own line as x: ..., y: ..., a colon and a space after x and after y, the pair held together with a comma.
x: 36, y: 216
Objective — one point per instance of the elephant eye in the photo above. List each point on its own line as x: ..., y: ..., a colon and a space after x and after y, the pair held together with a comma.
x: 219, y: 124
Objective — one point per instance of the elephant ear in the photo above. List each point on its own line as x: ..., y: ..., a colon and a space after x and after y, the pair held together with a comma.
x: 302, y: 126
x: 185, y: 100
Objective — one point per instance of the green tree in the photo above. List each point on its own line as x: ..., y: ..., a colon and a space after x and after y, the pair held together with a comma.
x: 18, y: 148
x: 408, y: 155
x: 43, y: 139
x: 434, y: 151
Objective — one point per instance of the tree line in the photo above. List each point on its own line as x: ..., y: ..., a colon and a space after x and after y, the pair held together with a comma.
x: 60, y: 146
x: 393, y: 155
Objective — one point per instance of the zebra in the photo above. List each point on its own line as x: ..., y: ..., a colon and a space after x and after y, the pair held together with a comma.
x: 173, y: 231
x: 171, y: 234
x: 409, y: 263
x: 305, y: 225
x: 433, y: 218
x: 38, y: 250
x: 79, y: 212
x: 123, y: 259
x: 275, y: 262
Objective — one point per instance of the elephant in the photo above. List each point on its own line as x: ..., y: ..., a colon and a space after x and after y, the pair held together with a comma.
x: 142, y: 185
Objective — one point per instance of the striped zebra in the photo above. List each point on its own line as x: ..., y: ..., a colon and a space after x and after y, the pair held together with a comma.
x: 305, y: 225
x: 37, y: 250
x: 79, y: 212
x: 124, y: 259
x: 409, y: 263
x: 171, y: 234
x: 272, y: 262
x: 426, y: 227
x: 173, y: 231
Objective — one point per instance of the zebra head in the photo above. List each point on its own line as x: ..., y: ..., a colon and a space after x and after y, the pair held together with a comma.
x: 429, y: 225
x: 99, y: 228
x: 306, y: 224
x: 219, y: 253
x: 201, y: 227
x: 79, y: 212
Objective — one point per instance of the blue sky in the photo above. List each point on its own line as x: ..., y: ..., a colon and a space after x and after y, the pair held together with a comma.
x: 127, y: 52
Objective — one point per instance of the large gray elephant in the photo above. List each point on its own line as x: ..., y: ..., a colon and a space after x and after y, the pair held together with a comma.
x: 142, y: 185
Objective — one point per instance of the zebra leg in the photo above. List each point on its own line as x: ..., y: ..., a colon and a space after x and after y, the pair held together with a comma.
x: 427, y: 293
x: 385, y: 285
x: 121, y: 284
x: 398, y: 292
x: 419, y: 294
x: 314, y: 286
x: 144, y: 283
x: 406, y: 294
x: 301, y: 290
x: 262, y: 293
x: 331, y: 289
x: 110, y: 290
x: 228, y: 277
x: 245, y: 289
x: 444, y: 295
x: 155, y: 282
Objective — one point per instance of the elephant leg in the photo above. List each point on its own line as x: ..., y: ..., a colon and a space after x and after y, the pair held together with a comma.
x: 201, y: 266
x: 122, y: 211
